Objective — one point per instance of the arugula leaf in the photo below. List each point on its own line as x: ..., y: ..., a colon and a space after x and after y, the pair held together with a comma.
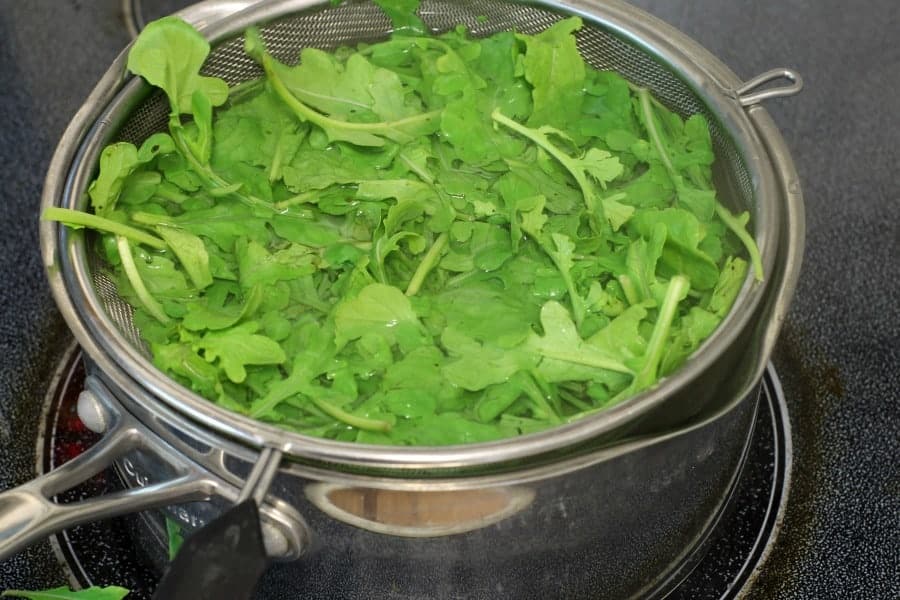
x: 117, y: 162
x: 556, y: 72
x: 475, y: 366
x: 378, y: 308
x: 169, y: 54
x: 403, y: 15
x: 562, y: 344
x: 239, y: 346
x: 191, y: 251
x: 595, y: 163
x: 360, y: 133
x: 731, y: 278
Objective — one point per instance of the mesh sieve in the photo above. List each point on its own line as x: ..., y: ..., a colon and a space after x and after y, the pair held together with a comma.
x: 615, y: 36
x: 356, y: 22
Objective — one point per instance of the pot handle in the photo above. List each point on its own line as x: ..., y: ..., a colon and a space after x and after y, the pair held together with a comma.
x: 28, y: 513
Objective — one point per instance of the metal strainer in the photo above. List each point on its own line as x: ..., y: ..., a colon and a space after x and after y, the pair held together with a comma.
x: 622, y: 497
x: 615, y: 36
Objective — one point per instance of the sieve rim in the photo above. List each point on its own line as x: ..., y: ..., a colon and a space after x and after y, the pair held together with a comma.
x: 70, y: 278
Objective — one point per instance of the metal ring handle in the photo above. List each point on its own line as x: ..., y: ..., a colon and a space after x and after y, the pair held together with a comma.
x: 747, y: 97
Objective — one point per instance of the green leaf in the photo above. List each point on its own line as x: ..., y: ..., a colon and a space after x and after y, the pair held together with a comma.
x: 176, y: 537
x: 313, y: 350
x: 680, y: 253
x: 191, y: 252
x: 475, y: 366
x: 182, y: 361
x: 563, y: 350
x: 486, y: 313
x: 360, y: 133
x: 169, y: 54
x: 258, y: 266
x: 209, y: 314
x: 378, y: 308
x: 300, y: 230
x: 413, y: 200
x: 556, y: 72
x: 731, y: 279
x: 355, y: 90
x: 403, y: 15
x: 239, y: 346
x: 117, y: 162
x: 596, y: 164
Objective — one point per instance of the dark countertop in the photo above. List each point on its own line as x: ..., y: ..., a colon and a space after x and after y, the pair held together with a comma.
x: 839, y: 355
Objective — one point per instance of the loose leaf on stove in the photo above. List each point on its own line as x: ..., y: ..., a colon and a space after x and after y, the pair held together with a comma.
x: 175, y: 535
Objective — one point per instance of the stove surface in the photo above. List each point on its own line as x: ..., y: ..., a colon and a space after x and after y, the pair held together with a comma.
x: 838, y: 355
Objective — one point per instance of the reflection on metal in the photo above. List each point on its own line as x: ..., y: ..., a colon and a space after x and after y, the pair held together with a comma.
x: 133, y: 17
x: 408, y: 513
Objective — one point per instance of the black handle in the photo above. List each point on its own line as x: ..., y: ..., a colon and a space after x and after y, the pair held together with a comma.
x: 223, y: 559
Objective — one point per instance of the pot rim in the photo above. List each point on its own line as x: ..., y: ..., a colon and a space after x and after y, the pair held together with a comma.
x: 714, y: 83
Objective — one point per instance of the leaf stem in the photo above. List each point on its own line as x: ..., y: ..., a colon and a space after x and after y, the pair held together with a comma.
x: 740, y: 231
x: 578, y: 308
x: 391, y: 130
x: 77, y: 218
x: 428, y: 263
x: 153, y: 307
x: 351, y: 419
x: 678, y: 288
x: 534, y: 393
x: 579, y: 358
x: 564, y: 159
x: 723, y: 213
x: 214, y: 182
x: 650, y: 120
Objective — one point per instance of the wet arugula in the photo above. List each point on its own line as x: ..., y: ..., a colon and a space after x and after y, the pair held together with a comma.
x: 431, y: 239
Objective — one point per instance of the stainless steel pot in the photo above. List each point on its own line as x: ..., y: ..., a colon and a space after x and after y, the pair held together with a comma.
x: 609, y: 505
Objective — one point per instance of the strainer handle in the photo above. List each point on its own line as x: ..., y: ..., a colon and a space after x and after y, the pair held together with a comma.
x: 28, y: 513
x: 750, y: 93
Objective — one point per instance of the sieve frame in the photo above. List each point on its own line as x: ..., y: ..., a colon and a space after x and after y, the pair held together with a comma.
x: 72, y: 283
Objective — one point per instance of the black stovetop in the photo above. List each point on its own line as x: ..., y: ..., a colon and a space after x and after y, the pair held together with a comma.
x: 839, y: 354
